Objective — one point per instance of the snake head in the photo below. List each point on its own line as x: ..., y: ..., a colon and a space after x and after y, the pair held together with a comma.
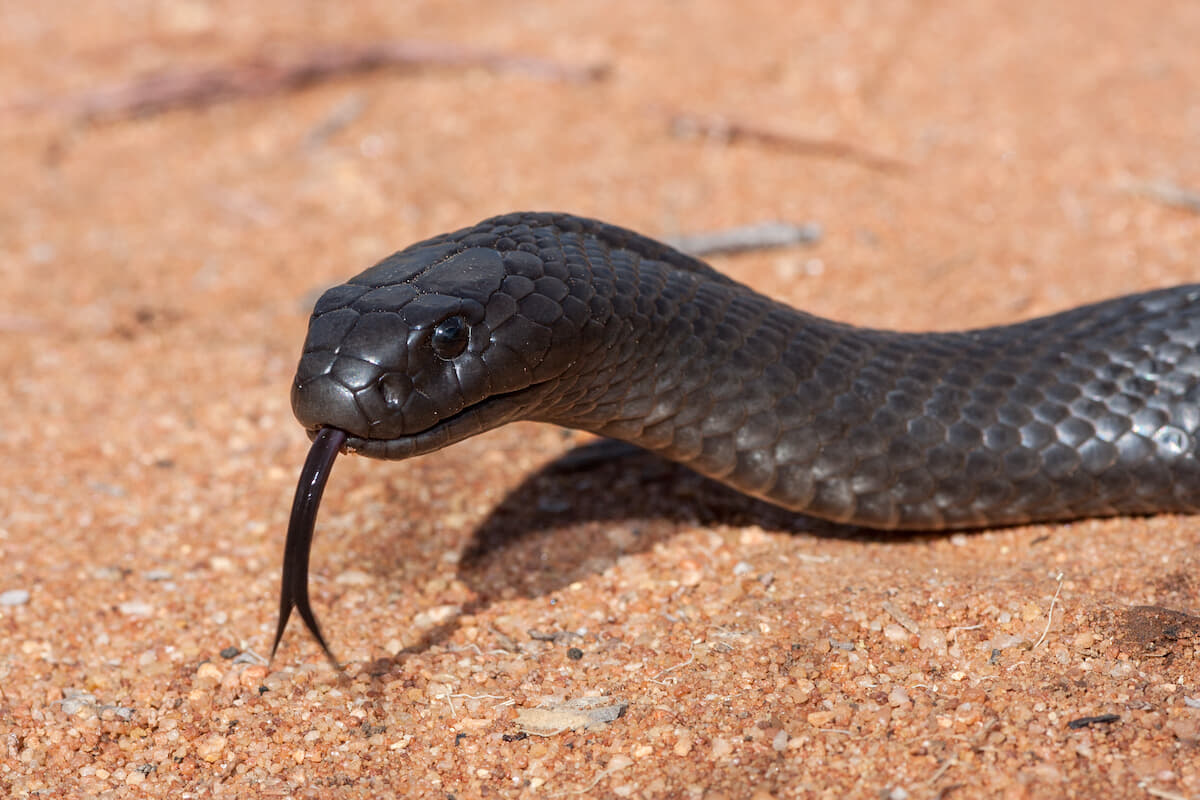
x: 443, y: 340
x: 439, y: 342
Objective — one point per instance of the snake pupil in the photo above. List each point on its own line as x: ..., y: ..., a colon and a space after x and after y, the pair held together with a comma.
x: 450, y: 337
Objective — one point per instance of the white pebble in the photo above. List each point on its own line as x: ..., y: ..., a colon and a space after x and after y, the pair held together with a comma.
x: 136, y: 608
x: 354, y: 577
x: 14, y: 597
x: 933, y: 639
x: 436, y: 616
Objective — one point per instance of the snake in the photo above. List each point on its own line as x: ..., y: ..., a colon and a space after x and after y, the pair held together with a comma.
x: 1090, y: 412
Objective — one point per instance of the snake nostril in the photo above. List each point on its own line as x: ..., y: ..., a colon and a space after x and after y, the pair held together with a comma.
x: 395, y: 389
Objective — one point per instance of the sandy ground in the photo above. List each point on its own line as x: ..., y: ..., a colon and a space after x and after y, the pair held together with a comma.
x: 969, y: 163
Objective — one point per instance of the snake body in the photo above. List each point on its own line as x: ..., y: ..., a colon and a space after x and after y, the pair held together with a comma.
x: 1089, y: 412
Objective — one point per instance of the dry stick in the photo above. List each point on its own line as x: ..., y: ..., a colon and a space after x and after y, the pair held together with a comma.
x: 201, y: 87
x: 1163, y: 794
x: 1168, y: 193
x: 755, y: 236
x: 905, y: 620
x: 1050, y: 613
x: 733, y: 131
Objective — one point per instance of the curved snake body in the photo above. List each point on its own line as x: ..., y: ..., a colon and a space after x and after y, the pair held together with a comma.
x: 1093, y: 411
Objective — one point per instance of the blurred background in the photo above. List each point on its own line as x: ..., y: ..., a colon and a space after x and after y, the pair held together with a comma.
x: 180, y: 178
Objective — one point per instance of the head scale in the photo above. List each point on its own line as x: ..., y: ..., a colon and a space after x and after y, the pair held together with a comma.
x: 471, y: 327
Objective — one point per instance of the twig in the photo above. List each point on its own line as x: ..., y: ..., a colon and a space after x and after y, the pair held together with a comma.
x: 507, y: 701
x: 1163, y: 793
x: 1049, y: 614
x: 553, y: 636
x: 905, y: 620
x: 727, y: 130
x: 658, y: 676
x: 193, y: 88
x: 1168, y: 193
x: 946, y: 765
x: 601, y: 776
x: 341, y: 116
x: 756, y: 236
x: 495, y: 651
x: 955, y: 631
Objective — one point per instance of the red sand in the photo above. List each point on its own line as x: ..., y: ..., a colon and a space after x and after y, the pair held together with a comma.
x: 158, y: 272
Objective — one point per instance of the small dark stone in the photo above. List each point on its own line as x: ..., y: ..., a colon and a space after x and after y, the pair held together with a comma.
x: 230, y: 652
x: 1084, y: 722
x: 574, y: 654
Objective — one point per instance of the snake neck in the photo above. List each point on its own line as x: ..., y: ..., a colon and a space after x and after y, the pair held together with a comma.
x: 1054, y: 418
x: 704, y: 372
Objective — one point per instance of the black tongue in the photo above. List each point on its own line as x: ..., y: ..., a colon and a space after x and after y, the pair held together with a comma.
x: 293, y: 592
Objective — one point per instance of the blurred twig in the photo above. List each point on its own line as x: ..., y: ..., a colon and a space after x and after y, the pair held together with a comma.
x: 729, y: 130
x: 1167, y: 193
x: 167, y: 90
x: 756, y: 236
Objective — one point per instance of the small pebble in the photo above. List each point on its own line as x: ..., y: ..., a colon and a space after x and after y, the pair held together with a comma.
x: 222, y: 563
x: 574, y: 654
x: 209, y: 671
x: 75, y: 700
x: 136, y: 608
x: 211, y: 747
x: 932, y: 639
x: 14, y: 597
x: 436, y: 616
x: 820, y: 719
x: 230, y: 652
x: 354, y: 577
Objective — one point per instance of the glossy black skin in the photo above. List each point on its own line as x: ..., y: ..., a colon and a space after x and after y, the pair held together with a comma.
x: 1094, y: 411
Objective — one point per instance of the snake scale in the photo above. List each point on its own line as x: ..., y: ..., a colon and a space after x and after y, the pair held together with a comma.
x: 551, y: 317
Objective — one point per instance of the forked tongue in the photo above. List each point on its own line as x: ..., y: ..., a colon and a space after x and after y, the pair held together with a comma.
x: 293, y: 591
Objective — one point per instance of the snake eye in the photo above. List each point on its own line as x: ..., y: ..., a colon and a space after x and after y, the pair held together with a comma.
x: 450, y: 337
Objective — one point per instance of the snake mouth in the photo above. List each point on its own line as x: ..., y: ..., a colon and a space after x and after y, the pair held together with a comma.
x: 491, y: 412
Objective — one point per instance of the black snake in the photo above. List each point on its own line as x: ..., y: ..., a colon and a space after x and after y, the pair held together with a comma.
x: 551, y: 317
